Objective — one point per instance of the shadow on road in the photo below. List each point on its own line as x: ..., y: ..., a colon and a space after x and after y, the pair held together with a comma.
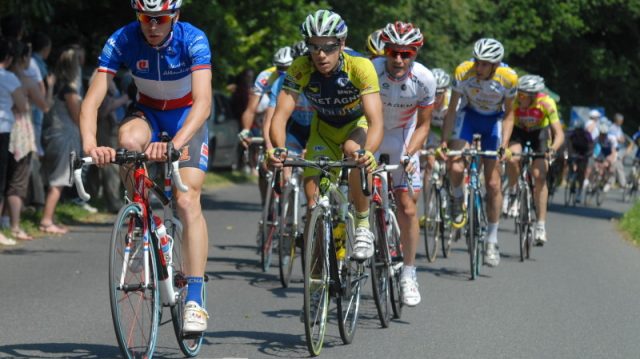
x: 591, y: 212
x: 211, y: 203
x: 59, y: 350
x: 273, y: 344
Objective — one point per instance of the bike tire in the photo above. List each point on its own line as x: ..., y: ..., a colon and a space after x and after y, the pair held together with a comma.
x: 288, y: 234
x: 269, y: 231
x: 135, y: 311
x: 379, y: 267
x: 600, y: 196
x: 190, y: 344
x: 472, y: 239
x: 317, y: 232
x: 352, y: 275
x: 395, y: 267
x: 523, y: 221
x: 431, y: 223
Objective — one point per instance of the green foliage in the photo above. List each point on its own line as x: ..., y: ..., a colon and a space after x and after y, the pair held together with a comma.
x: 630, y: 223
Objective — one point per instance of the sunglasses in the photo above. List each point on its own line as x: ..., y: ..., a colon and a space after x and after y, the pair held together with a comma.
x: 523, y: 94
x: 404, y: 54
x: 326, y: 48
x: 158, y: 20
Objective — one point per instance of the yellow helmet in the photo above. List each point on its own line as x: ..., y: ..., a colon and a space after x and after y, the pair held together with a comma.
x: 374, y: 44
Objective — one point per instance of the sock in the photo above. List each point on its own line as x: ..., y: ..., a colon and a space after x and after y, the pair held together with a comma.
x: 408, y: 271
x: 194, y: 289
x: 362, y: 219
x: 492, y: 235
x: 458, y: 192
x: 540, y: 224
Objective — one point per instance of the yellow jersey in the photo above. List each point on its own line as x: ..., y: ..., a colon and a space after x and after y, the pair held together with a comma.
x: 485, y: 96
x: 540, y: 114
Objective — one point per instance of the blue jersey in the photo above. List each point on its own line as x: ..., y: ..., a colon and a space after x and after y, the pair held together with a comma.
x: 303, y: 112
x: 162, y: 74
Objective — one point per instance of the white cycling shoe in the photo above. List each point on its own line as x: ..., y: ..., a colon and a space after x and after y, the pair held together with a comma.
x: 194, y: 318
x: 540, y: 236
x: 410, y: 293
x: 363, y: 246
x: 492, y: 255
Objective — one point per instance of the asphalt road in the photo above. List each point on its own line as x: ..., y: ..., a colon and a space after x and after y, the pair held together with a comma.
x: 577, y: 297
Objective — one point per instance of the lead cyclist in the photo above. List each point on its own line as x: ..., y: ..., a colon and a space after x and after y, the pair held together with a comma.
x: 171, y: 65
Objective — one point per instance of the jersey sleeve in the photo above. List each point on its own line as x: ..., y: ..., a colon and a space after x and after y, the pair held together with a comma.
x: 428, y: 96
x: 366, y: 77
x: 551, y: 110
x: 509, y: 81
x: 261, y: 85
x: 112, y: 54
x: 459, y: 75
x: 199, y: 52
x: 296, y: 73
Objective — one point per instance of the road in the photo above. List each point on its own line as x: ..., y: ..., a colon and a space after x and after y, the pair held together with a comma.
x: 577, y: 297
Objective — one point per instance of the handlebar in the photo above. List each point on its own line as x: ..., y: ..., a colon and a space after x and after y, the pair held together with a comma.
x: 324, y: 164
x: 472, y: 152
x: 124, y: 157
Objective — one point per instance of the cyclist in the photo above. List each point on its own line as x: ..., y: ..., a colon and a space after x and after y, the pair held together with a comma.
x: 375, y: 45
x: 258, y: 103
x: 344, y: 92
x: 407, y: 90
x: 170, y: 62
x: 608, y: 154
x: 537, y: 122
x: 580, y: 150
x: 488, y: 87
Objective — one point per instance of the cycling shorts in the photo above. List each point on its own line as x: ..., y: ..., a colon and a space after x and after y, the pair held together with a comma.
x: 488, y: 126
x: 539, y: 139
x: 326, y: 140
x: 196, y: 152
x: 297, y: 137
x: 394, y: 144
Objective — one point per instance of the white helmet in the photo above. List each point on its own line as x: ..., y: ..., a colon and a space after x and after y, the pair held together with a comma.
x: 487, y: 49
x: 443, y: 80
x: 300, y: 48
x: 594, y: 114
x: 156, y: 5
x: 283, y: 57
x: 531, y: 83
x: 603, y: 127
x: 403, y: 34
x: 375, y: 45
x: 324, y: 23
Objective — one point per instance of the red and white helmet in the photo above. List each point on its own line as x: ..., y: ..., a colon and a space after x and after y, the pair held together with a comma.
x: 402, y: 33
x: 156, y: 5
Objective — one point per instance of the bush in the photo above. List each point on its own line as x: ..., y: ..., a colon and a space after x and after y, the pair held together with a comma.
x: 630, y: 222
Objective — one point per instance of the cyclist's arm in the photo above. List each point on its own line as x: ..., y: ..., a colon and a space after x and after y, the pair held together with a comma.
x: 249, y: 114
x: 266, y: 126
x: 372, y: 106
x: 422, y: 130
x: 558, y: 135
x: 450, y: 117
x: 286, y: 104
x: 507, y: 122
x: 89, y: 110
x: 200, y: 110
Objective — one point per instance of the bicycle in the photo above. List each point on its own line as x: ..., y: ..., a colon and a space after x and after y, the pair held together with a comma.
x: 597, y: 181
x: 435, y: 197
x: 290, y: 232
x: 476, y: 225
x: 630, y: 192
x: 387, y: 261
x: 141, y: 273
x: 329, y: 270
x: 527, y: 206
x: 269, y: 223
x: 573, y: 180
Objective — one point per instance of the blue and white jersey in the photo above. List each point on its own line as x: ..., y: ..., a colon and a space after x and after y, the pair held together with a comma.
x: 162, y: 74
x: 303, y: 112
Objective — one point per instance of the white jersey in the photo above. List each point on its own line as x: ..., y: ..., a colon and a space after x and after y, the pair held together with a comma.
x: 401, y: 98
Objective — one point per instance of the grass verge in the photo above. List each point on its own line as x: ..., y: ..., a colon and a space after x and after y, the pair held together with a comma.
x: 630, y: 223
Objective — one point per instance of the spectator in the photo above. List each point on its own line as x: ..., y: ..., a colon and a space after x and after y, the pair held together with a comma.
x: 618, y: 167
x: 22, y: 141
x: 61, y: 135
x: 12, y: 97
x: 110, y: 113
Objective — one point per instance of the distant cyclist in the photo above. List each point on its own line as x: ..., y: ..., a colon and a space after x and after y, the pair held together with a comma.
x: 375, y: 45
x: 488, y: 87
x: 171, y: 65
x: 408, y: 91
x: 536, y: 122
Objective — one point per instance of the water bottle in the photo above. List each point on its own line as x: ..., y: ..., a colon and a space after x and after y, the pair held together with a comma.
x: 339, y: 236
x: 165, y: 241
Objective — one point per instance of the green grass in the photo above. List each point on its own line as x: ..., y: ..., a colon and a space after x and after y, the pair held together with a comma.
x: 630, y: 223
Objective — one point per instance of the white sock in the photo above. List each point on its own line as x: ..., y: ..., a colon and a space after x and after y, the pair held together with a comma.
x: 458, y: 192
x: 540, y: 224
x: 492, y: 235
x: 409, y: 271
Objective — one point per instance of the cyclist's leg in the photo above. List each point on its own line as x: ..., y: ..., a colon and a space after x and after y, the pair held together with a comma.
x: 491, y: 139
x: 513, y: 172
x: 540, y: 170
x: 136, y: 132
x: 456, y: 168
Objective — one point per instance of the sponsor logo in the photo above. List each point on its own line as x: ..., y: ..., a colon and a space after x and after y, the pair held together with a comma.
x: 385, y: 86
x: 342, y: 81
x: 142, y: 65
x: 204, y: 150
x: 319, y: 148
x: 403, y: 87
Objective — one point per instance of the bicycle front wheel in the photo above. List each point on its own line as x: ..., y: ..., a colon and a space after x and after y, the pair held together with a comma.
x: 472, y: 239
x: 288, y: 234
x: 316, y: 280
x: 380, y: 267
x: 524, y: 222
x: 135, y: 306
x: 395, y: 267
x: 352, y: 275
x: 189, y: 344
x: 431, y: 223
x: 269, y: 230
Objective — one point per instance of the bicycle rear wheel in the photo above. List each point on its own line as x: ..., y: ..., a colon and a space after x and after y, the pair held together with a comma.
x: 472, y: 239
x: 190, y: 344
x: 380, y: 267
x: 135, y: 308
x: 269, y: 230
x: 352, y: 275
x: 431, y: 222
x: 316, y: 280
x: 395, y: 266
x: 288, y: 233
